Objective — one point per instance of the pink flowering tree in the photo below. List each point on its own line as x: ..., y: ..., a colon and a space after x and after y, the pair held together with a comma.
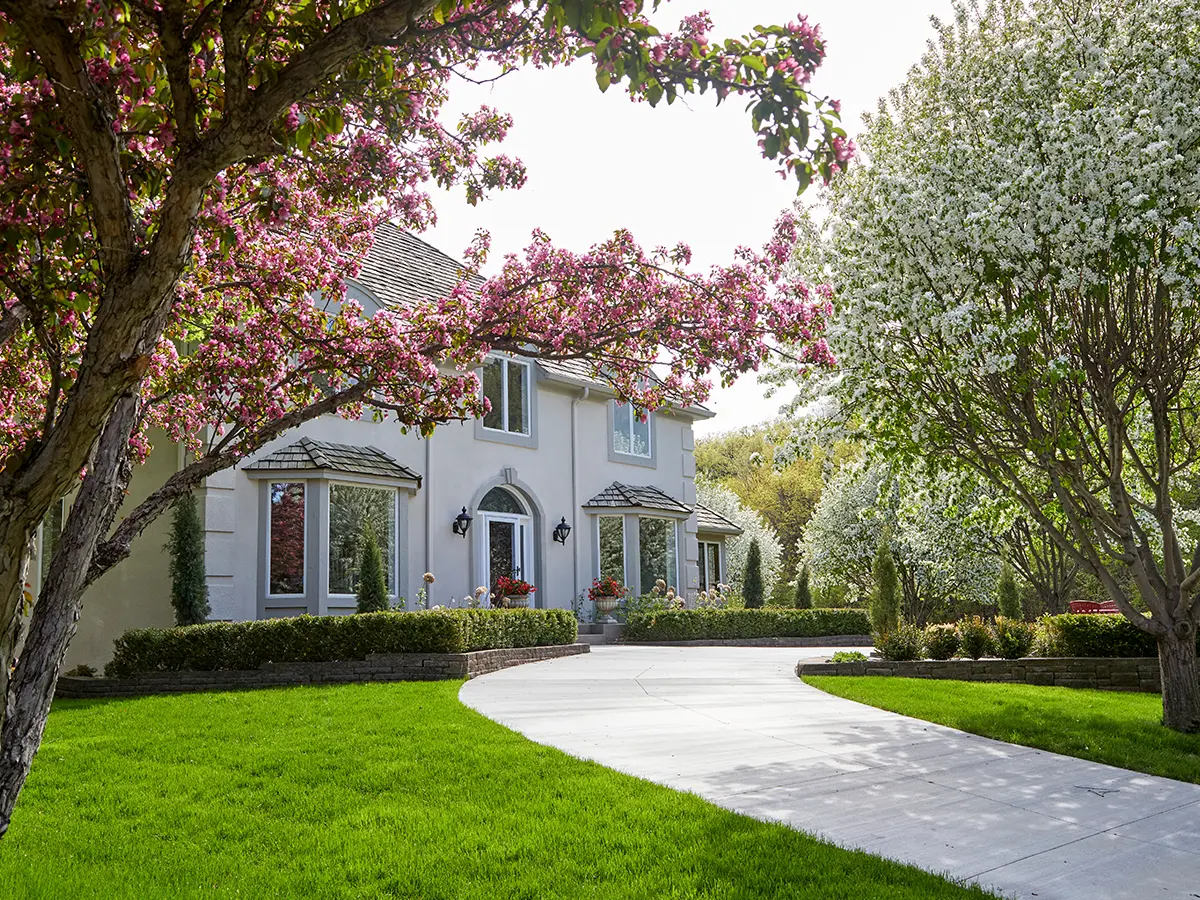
x: 185, y: 185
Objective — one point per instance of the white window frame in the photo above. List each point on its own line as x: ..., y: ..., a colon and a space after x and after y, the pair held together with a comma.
x: 632, y: 416
x: 674, y: 524
x: 527, y: 383
x: 394, y: 571
x: 304, y: 567
x: 624, y: 545
x: 707, y: 582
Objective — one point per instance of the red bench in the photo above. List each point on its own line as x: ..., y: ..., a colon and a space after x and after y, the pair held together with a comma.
x: 1090, y: 606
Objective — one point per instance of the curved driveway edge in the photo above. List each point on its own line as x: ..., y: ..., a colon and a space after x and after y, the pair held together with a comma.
x: 737, y: 727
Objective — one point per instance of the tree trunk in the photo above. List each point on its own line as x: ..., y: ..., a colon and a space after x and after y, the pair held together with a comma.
x: 56, y: 613
x: 1180, y: 681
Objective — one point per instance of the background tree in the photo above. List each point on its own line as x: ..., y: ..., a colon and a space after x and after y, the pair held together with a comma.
x: 803, y: 597
x: 737, y: 547
x: 1008, y: 598
x: 372, y: 583
x: 1018, y: 288
x: 773, y: 477
x: 752, y: 580
x: 943, y: 558
x: 204, y: 175
x: 885, y: 595
x: 185, y: 550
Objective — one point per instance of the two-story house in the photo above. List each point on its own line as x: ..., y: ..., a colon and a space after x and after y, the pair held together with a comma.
x: 558, y: 484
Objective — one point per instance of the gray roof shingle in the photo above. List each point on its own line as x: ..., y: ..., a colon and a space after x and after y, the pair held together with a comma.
x: 713, y: 522
x: 626, y: 496
x: 323, y: 455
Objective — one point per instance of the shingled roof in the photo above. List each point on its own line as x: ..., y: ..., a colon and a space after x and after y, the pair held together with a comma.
x: 402, y: 269
x: 324, y: 456
x: 634, y: 496
x: 713, y: 522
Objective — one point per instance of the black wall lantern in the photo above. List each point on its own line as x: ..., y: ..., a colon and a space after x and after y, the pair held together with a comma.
x: 561, y: 531
x: 461, y: 523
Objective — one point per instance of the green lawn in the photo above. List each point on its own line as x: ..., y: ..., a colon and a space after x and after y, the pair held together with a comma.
x: 371, y: 791
x: 1118, y: 728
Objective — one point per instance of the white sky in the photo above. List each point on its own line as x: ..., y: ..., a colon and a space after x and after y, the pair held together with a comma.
x: 691, y: 172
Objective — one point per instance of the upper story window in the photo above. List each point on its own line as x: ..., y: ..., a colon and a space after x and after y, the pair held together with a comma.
x: 506, y: 385
x: 631, y: 433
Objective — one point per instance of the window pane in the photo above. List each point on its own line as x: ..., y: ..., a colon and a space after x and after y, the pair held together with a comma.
x: 612, y: 548
x: 518, y: 398
x: 657, y: 550
x: 357, y: 514
x: 502, y: 501
x: 622, y: 430
x: 641, y: 437
x: 493, y: 390
x: 287, y: 538
x: 52, y: 527
x: 714, y: 564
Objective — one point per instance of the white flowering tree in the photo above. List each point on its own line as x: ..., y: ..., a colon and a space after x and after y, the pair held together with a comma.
x: 1018, y: 274
x: 943, y: 556
x: 722, y: 500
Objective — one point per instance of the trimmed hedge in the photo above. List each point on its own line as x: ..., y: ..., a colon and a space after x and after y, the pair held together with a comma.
x: 247, y: 645
x: 1093, y: 634
x: 740, y: 624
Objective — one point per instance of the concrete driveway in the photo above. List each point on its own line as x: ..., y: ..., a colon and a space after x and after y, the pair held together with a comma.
x: 737, y: 727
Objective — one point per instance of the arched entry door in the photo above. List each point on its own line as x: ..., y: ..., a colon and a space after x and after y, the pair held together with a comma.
x: 507, y: 532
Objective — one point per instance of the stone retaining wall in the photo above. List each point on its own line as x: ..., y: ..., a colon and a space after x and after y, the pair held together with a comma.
x: 376, y: 667
x: 1140, y: 674
x: 832, y: 640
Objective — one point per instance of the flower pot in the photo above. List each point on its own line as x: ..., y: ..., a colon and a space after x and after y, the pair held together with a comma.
x: 519, y: 602
x: 605, y: 606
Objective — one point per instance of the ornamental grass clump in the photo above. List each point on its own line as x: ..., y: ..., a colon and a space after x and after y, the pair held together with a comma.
x: 1012, y: 638
x: 941, y: 641
x: 974, y: 637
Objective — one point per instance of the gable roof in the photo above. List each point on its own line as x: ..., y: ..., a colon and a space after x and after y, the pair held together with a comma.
x: 713, y: 522
x: 634, y: 496
x: 323, y: 455
x: 402, y: 270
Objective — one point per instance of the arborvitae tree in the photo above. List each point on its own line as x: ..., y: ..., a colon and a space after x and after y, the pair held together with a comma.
x: 752, y: 580
x: 885, y: 598
x: 372, y: 585
x: 185, y: 548
x: 1008, y: 598
x: 803, y: 598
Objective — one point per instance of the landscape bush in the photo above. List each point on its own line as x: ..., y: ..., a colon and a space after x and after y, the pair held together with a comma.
x: 843, y: 656
x: 1012, y: 638
x: 974, y: 637
x: 247, y: 645
x: 902, y: 644
x: 941, y: 641
x: 1092, y: 635
x: 706, y: 624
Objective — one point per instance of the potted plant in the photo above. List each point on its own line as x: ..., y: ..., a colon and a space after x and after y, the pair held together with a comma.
x: 513, y: 593
x: 606, y: 593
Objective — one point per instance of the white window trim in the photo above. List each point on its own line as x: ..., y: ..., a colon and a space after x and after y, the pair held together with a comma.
x: 710, y: 583
x: 526, y: 381
x: 304, y: 566
x: 395, y: 561
x: 674, y: 523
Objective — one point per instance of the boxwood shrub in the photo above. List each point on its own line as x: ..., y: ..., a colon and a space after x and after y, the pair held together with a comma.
x: 738, y: 624
x: 247, y: 645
